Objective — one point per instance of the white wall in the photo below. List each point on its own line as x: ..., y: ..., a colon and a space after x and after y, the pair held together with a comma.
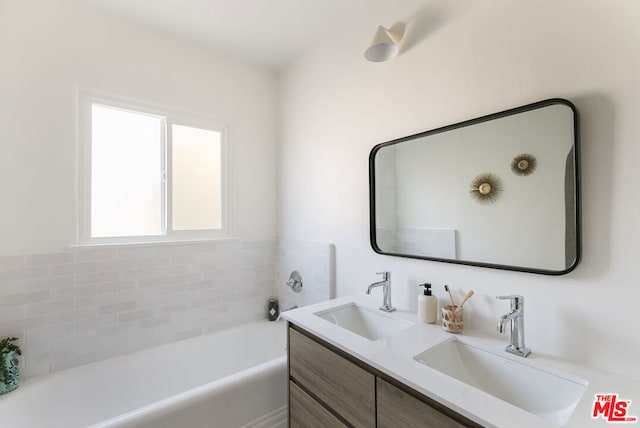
x: 462, y: 60
x: 50, y: 49
x: 74, y: 306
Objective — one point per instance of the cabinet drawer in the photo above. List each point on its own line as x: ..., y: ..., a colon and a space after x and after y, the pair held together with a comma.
x: 341, y: 385
x: 305, y: 412
x: 396, y: 408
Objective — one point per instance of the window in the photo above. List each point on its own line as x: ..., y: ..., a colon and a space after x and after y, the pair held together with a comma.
x: 151, y: 175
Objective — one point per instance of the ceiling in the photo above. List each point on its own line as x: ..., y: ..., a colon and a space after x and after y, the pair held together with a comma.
x: 267, y: 32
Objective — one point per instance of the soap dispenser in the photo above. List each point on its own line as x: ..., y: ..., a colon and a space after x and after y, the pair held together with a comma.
x: 427, y: 305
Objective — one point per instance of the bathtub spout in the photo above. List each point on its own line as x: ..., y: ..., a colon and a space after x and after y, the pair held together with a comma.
x: 285, y: 310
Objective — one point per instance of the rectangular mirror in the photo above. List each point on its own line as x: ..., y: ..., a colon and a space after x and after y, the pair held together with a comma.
x: 499, y: 191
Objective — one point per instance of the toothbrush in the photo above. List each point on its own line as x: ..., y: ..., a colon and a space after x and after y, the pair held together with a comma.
x: 446, y: 287
x: 469, y: 294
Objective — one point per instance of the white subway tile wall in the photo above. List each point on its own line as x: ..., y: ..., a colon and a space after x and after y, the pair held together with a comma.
x: 315, y: 262
x: 88, y: 304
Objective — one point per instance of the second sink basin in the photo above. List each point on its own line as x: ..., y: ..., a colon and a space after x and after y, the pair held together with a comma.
x: 550, y: 395
x: 365, y: 322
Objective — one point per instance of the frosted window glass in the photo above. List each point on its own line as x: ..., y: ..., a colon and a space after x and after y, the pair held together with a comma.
x: 197, y: 187
x: 126, y: 167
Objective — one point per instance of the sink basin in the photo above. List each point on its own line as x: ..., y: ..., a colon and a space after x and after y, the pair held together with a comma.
x: 368, y: 323
x: 548, y: 394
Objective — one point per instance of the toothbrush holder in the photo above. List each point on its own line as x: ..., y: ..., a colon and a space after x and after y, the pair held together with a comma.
x: 452, y: 319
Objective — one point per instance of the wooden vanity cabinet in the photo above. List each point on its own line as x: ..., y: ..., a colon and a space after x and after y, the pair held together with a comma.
x: 346, y: 389
x: 397, y: 408
x: 329, y: 388
x: 304, y: 411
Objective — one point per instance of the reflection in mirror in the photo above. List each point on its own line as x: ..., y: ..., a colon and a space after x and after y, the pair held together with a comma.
x: 498, y: 191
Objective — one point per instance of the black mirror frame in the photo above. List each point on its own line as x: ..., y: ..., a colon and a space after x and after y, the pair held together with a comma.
x: 509, y: 112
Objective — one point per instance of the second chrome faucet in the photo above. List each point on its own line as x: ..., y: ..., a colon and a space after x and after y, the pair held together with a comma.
x: 386, y: 290
x: 516, y: 318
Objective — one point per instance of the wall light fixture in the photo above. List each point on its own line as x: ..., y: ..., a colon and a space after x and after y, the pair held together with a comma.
x: 385, y: 44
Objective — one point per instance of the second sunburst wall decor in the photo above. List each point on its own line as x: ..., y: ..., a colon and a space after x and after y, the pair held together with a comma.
x: 524, y: 164
x: 486, y: 187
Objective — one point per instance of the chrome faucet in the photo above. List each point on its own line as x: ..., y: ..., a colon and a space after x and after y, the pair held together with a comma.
x: 386, y: 289
x: 516, y: 317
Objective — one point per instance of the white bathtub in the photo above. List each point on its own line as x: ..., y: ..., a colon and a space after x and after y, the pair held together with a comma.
x: 228, y: 379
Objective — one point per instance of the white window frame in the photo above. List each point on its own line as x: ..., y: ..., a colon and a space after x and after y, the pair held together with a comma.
x: 170, y: 117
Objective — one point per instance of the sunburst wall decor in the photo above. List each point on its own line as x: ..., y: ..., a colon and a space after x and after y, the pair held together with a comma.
x: 486, y: 187
x: 524, y: 164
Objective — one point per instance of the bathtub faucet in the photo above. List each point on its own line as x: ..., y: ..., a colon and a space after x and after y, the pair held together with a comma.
x: 285, y: 310
x: 386, y: 290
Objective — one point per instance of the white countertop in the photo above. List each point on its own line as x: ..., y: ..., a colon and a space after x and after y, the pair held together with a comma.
x: 393, y: 355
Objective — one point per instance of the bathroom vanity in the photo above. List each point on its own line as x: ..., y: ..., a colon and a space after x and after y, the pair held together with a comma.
x: 351, y: 364
x: 328, y: 387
